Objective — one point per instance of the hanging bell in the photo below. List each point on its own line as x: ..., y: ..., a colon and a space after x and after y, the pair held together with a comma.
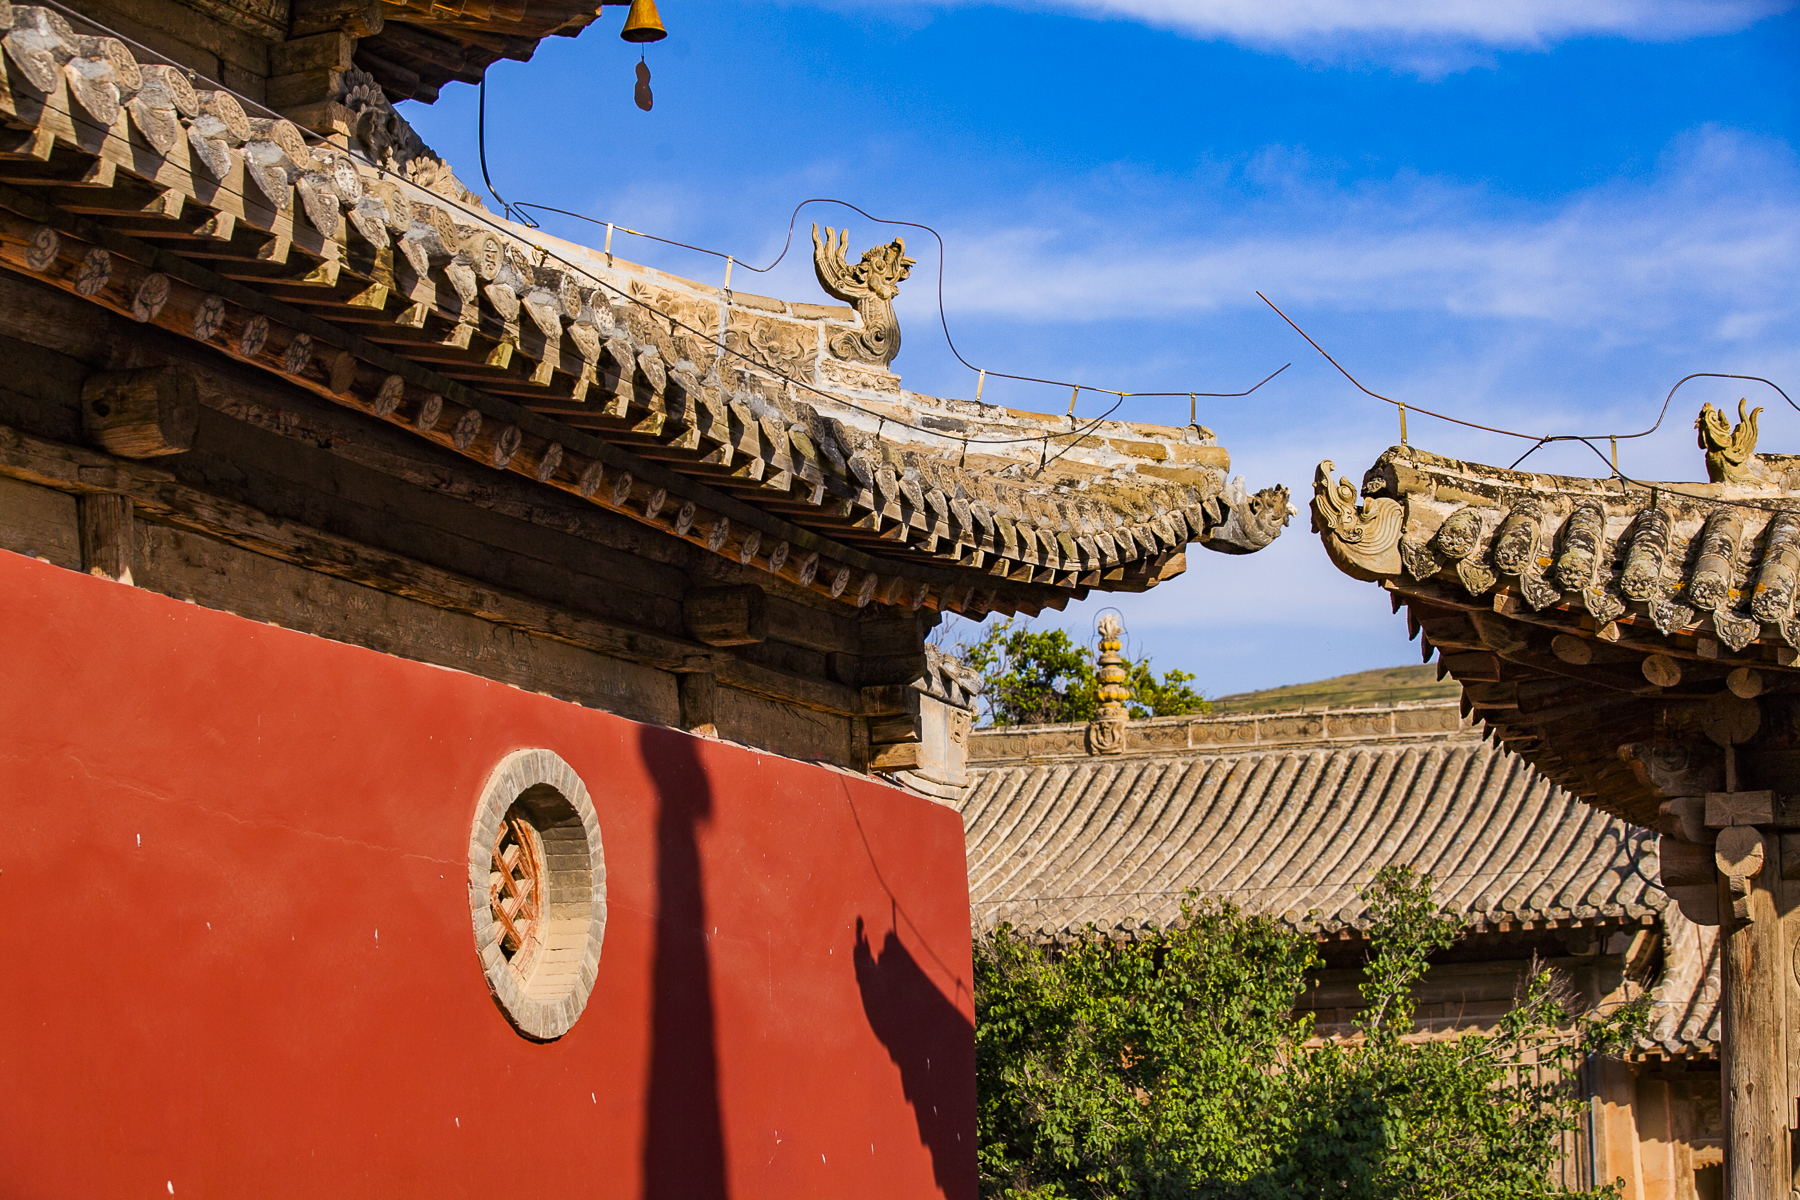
x: 642, y: 24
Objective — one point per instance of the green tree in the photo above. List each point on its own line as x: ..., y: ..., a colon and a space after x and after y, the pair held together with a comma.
x: 1173, y: 1066
x: 1170, y: 696
x: 1035, y: 677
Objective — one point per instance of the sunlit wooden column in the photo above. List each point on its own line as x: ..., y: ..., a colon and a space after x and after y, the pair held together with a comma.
x: 1757, y: 984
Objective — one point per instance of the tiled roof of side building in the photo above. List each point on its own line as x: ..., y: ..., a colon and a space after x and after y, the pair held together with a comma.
x: 1685, y: 1014
x: 1292, y: 815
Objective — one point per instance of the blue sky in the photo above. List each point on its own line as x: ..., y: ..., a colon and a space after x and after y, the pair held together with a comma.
x: 1535, y: 214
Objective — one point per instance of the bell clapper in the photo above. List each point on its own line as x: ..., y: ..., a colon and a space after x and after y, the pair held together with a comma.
x: 643, y: 25
x: 642, y: 93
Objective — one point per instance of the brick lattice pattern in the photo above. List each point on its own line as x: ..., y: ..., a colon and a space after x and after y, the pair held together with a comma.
x: 537, y: 892
x: 516, y: 886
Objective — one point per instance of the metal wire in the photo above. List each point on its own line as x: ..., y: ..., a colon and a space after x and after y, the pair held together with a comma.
x: 481, y: 150
x: 1659, y: 417
x: 943, y: 321
x: 1539, y: 439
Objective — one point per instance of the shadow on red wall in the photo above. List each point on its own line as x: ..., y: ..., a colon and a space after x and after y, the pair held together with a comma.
x: 933, y: 1044
x: 684, y: 1144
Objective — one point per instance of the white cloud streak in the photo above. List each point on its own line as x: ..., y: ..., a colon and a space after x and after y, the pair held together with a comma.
x: 1714, y: 238
x: 1498, y: 23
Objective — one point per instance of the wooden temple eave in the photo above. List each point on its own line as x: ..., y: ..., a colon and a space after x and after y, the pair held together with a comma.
x: 1639, y: 644
x: 1576, y: 609
x: 415, y: 47
x: 296, y: 256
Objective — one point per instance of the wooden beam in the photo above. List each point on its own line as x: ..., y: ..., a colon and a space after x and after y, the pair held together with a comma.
x: 726, y: 616
x: 141, y: 414
x: 156, y: 496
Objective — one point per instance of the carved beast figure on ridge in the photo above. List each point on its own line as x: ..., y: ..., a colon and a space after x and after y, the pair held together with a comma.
x: 870, y: 286
x: 1251, y: 520
x: 1730, y: 453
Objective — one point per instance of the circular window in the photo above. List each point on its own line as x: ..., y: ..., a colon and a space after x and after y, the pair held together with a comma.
x: 537, y: 891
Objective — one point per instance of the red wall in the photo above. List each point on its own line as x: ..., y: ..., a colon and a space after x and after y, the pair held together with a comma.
x: 241, y: 963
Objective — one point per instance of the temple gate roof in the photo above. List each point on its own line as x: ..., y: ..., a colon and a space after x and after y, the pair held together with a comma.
x: 767, y: 431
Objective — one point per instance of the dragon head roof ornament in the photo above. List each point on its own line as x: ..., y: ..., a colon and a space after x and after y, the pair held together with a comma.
x: 1251, y: 520
x: 1363, y: 540
x: 870, y: 286
x: 1730, y: 452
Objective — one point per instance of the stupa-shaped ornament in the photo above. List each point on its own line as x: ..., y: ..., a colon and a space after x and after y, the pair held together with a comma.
x: 1106, y: 732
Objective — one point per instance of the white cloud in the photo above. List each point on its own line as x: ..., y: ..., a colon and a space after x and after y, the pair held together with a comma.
x: 1714, y: 238
x: 1493, y: 22
x: 1499, y: 23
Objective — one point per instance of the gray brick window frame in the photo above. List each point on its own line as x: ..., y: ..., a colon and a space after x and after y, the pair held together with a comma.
x: 544, y: 1000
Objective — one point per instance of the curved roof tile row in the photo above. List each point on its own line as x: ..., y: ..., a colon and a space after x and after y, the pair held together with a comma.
x: 1294, y: 832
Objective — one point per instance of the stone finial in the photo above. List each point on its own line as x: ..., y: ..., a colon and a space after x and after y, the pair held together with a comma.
x: 871, y: 286
x: 1106, y: 732
x: 1730, y: 452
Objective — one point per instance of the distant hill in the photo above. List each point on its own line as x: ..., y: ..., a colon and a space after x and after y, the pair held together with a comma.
x: 1386, y: 685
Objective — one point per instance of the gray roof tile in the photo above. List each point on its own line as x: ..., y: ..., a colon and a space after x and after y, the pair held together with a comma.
x: 1294, y: 830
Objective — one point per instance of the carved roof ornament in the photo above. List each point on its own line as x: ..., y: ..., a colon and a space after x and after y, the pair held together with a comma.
x: 1730, y: 452
x: 1106, y: 732
x: 870, y: 286
x: 1251, y: 520
x: 1363, y: 541
x: 391, y: 144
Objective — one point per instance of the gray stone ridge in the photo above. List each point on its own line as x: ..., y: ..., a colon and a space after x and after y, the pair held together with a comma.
x: 1427, y: 720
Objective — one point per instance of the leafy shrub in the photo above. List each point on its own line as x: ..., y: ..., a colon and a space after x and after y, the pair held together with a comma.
x: 1173, y: 1066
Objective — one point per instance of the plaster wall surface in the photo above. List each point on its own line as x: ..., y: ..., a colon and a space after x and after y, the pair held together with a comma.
x: 236, y: 857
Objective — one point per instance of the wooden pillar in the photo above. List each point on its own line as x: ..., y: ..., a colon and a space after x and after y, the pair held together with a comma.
x: 1786, y: 869
x: 108, y: 538
x: 699, y: 703
x: 1756, y: 1099
x: 1615, y: 1121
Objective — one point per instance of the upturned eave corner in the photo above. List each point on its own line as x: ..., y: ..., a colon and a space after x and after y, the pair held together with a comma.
x: 1593, y: 622
x: 768, y: 432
